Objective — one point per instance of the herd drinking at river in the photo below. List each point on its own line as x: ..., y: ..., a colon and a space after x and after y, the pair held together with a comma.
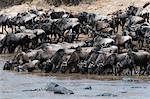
x: 49, y: 41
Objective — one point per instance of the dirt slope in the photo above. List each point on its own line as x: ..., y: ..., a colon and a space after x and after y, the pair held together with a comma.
x: 106, y: 6
x: 100, y: 6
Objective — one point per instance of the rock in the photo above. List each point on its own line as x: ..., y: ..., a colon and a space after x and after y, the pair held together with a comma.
x: 123, y: 92
x: 88, y: 88
x: 126, y: 79
x: 51, y: 86
x: 57, y: 89
x: 137, y: 87
x: 62, y: 90
x: 32, y: 90
x: 107, y: 95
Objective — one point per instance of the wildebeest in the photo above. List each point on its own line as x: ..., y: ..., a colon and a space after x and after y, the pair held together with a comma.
x: 124, y: 41
x: 103, y: 42
x: 140, y: 58
x: 4, y: 22
x: 29, y: 67
x: 100, y: 54
x: 124, y: 62
x: 11, y: 41
x: 73, y: 61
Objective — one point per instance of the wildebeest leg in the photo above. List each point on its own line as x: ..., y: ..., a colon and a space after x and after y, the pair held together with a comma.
x: 141, y: 69
x: 114, y: 70
x: 19, y: 27
x: 58, y: 39
x: 55, y: 36
x: 15, y: 29
x: 73, y: 67
x: 130, y: 71
x: 60, y: 36
x: 1, y: 49
x: 114, y: 30
x: 48, y: 67
x: 12, y: 48
x: 148, y: 70
x: 49, y: 36
x: 118, y: 49
x: 43, y: 38
x: 123, y: 23
x: 48, y: 39
x: 148, y: 17
x: 145, y: 70
x: 134, y: 69
x: 9, y: 49
x: 95, y: 69
x: 4, y: 49
x: 63, y: 69
x: 54, y: 69
x: 70, y: 67
x: 2, y: 29
x: 23, y: 47
x: 5, y: 29
x: 141, y: 44
x: 101, y: 70
x: 77, y: 70
x: 98, y: 70
x: 77, y: 37
x: 117, y: 28
x: 12, y: 29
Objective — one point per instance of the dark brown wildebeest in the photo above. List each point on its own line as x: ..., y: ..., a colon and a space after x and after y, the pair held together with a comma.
x: 140, y: 58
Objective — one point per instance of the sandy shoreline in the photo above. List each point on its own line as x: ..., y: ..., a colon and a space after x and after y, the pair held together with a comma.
x: 78, y: 76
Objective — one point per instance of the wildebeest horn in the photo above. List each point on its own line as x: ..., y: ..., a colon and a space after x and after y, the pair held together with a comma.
x: 131, y: 4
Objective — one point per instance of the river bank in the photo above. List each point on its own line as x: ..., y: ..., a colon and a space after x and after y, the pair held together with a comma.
x: 13, y: 86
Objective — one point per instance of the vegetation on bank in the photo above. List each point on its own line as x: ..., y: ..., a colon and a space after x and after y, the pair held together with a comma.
x: 8, y: 3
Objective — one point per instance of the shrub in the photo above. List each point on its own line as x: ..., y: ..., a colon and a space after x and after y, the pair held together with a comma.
x: 66, y: 2
x: 7, y: 3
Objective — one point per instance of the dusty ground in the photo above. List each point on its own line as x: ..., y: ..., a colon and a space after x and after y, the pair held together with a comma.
x: 103, y: 7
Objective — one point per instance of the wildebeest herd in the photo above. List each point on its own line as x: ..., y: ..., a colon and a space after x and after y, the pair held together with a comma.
x: 119, y: 43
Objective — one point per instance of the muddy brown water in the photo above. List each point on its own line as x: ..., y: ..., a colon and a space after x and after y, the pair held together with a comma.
x: 15, y: 85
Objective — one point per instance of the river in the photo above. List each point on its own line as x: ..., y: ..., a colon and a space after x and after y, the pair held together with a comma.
x: 15, y: 85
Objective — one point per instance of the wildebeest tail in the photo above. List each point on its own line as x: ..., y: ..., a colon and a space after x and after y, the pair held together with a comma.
x: 146, y: 4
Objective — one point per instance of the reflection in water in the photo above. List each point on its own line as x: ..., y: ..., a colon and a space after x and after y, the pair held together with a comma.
x: 15, y: 86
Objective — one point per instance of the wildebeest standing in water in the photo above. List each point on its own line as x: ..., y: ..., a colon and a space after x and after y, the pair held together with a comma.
x: 140, y: 58
x: 73, y: 61
x: 54, y: 63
